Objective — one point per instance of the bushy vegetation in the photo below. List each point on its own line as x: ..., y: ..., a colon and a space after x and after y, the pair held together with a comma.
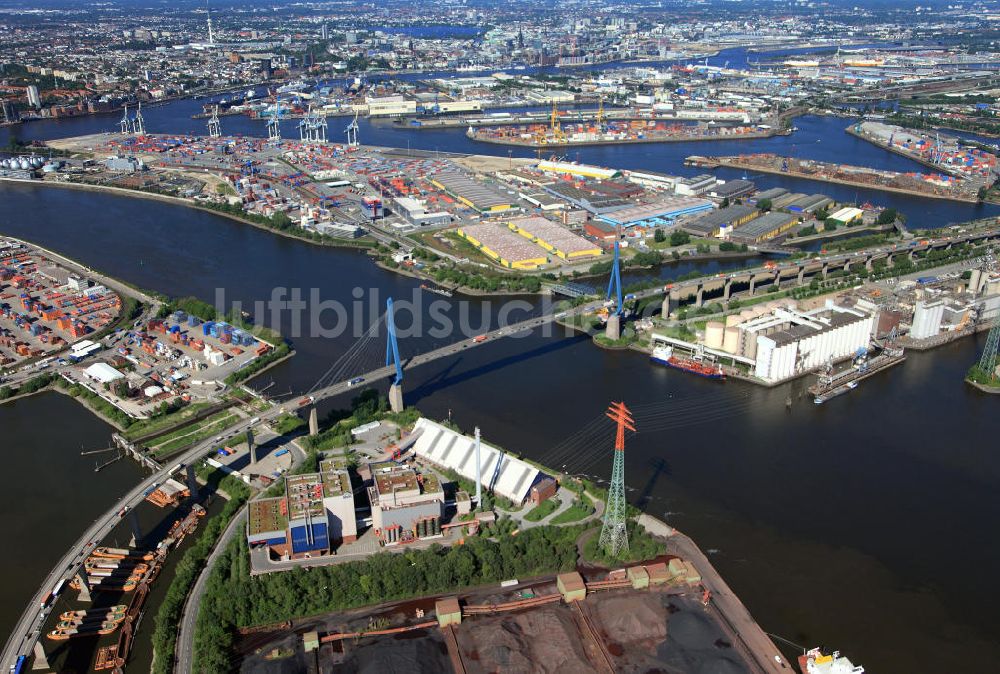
x: 280, y: 222
x: 258, y: 364
x: 168, y: 616
x: 288, y: 423
x: 234, y: 599
x: 641, y: 546
x: 487, y: 282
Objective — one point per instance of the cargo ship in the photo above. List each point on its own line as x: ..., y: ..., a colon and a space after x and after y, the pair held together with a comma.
x: 82, y: 631
x: 117, y: 609
x: 664, y: 355
x: 814, y: 661
x: 120, y: 553
x: 833, y: 393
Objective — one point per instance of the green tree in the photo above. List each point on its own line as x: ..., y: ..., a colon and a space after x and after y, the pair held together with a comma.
x: 679, y: 238
x: 659, y: 236
x: 764, y: 205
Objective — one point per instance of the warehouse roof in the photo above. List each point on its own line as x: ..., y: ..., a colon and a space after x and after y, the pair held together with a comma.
x: 481, y: 197
x: 764, y: 224
x: 103, y: 373
x: 664, y: 209
x: 502, y: 242
x: 710, y: 222
x: 772, y: 193
x: 504, y: 474
x: 559, y: 238
x: 732, y: 188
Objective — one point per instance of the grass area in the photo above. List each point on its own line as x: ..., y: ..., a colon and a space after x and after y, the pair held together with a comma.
x: 203, y: 433
x: 147, y: 426
x: 188, y: 430
x: 542, y: 510
x: 574, y: 513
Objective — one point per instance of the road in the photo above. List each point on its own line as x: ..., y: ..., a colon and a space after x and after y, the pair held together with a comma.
x: 184, y: 653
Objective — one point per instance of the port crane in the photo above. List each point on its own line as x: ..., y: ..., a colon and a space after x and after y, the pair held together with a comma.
x: 214, y: 126
x: 273, y: 123
x: 352, y: 131
x: 125, y: 123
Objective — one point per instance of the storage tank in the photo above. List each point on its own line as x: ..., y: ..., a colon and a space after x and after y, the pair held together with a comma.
x: 733, y: 319
x: 23, y: 164
x: 731, y: 342
x: 714, y: 334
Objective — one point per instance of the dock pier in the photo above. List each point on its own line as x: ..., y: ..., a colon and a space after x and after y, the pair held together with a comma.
x: 131, y: 450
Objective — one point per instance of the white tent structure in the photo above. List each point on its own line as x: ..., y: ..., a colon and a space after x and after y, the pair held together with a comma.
x: 506, y: 475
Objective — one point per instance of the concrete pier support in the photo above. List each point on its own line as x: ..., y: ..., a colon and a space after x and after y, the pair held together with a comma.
x: 699, y: 298
x: 777, y: 280
x: 670, y: 304
x: 41, y: 661
x: 726, y: 289
x: 802, y: 275
x: 613, y: 328
x: 81, y: 577
x: 251, y: 445
x: 826, y: 270
x: 192, y: 481
x: 911, y: 255
x: 890, y: 261
x: 869, y: 264
x: 313, y: 422
x: 753, y: 285
x: 396, y: 397
x: 133, y: 520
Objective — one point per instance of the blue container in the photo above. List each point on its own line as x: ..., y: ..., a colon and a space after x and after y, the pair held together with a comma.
x: 193, y: 321
x: 206, y: 328
x: 175, y: 328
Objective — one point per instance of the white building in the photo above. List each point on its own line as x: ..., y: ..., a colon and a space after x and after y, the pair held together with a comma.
x: 927, y: 318
x: 34, y: 99
x: 787, y: 342
x: 103, y: 373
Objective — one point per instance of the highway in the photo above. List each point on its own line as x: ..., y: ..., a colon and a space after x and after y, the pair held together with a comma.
x: 22, y: 639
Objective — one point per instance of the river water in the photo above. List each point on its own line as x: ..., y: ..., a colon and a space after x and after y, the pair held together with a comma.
x: 864, y: 524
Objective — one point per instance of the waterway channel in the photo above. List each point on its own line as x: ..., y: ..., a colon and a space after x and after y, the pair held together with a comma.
x: 862, y: 524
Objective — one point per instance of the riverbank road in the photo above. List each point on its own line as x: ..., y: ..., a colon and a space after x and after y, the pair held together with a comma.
x: 184, y: 654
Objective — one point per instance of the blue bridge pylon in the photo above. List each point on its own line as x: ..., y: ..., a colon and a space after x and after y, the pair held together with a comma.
x: 615, y: 283
x: 391, y: 345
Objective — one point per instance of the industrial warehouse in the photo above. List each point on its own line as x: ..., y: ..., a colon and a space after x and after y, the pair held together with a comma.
x: 503, y: 246
x: 314, y: 516
x: 553, y: 238
x: 780, y: 342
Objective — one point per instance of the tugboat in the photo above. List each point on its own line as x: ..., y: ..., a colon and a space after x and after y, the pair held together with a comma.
x: 664, y: 355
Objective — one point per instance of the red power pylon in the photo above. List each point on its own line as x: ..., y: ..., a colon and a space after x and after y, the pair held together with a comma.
x: 621, y: 415
x: 614, y: 533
